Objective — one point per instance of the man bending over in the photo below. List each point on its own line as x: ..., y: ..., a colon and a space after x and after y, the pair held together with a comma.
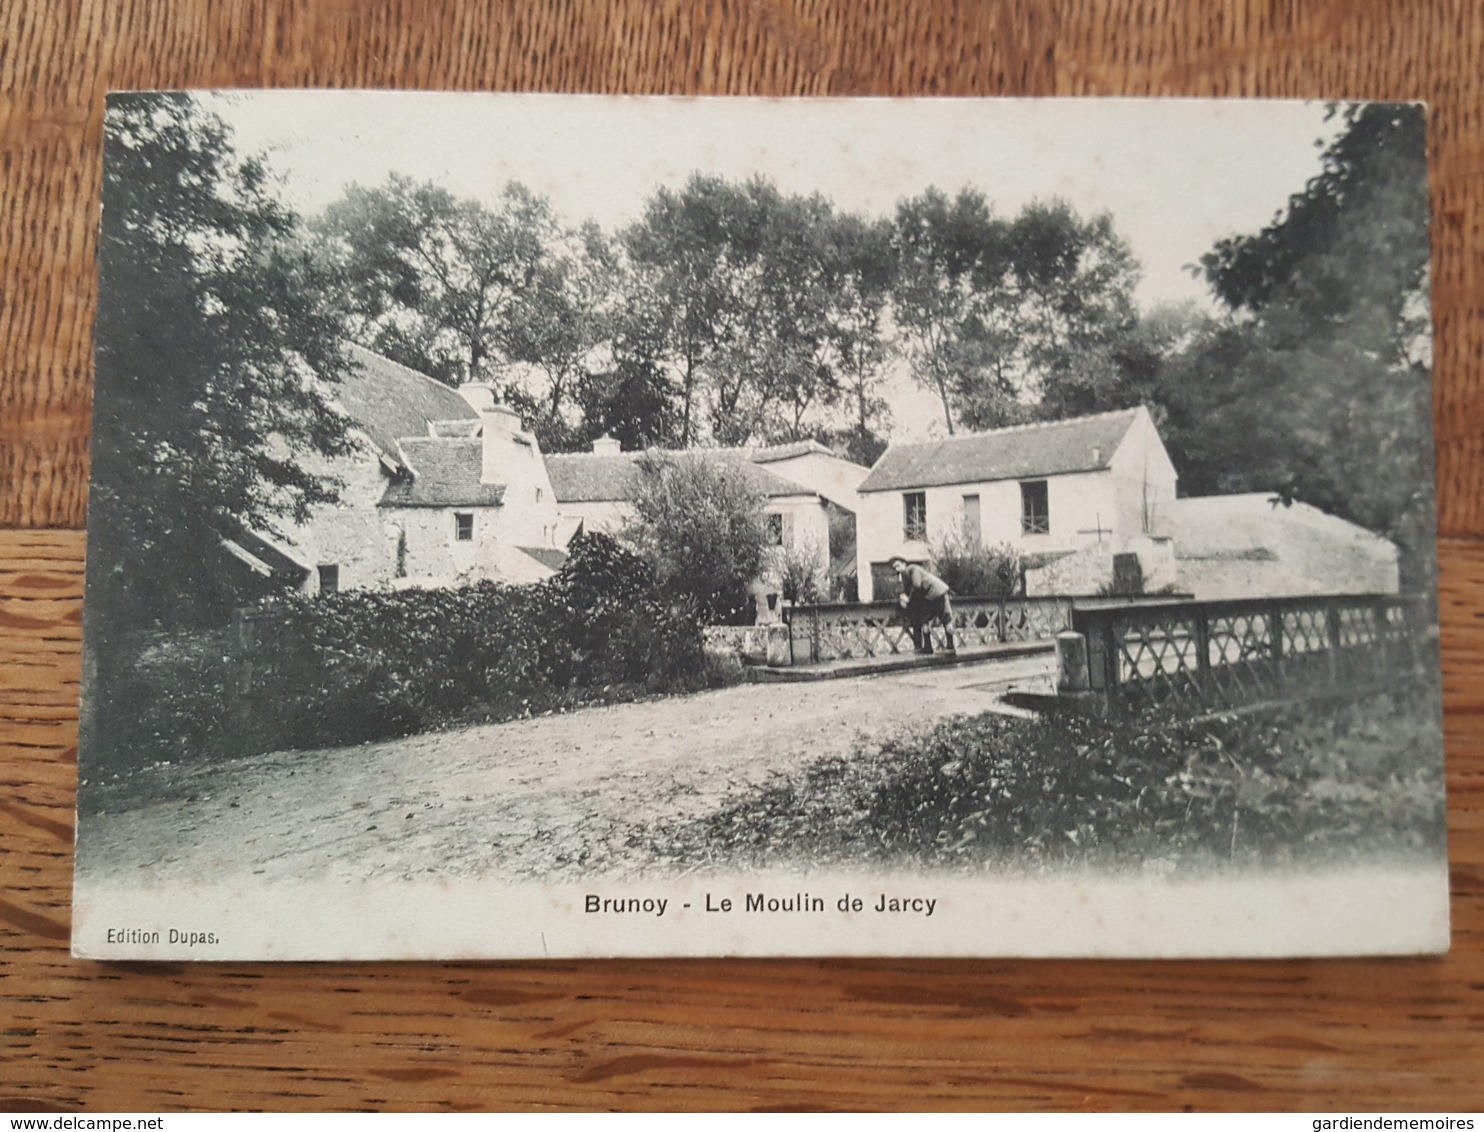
x: 924, y: 600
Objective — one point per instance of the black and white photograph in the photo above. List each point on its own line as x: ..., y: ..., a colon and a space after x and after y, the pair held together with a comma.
x: 543, y: 525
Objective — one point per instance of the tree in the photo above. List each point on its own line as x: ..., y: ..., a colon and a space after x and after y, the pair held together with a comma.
x: 1329, y: 334
x: 701, y: 523
x: 562, y: 323
x: 1146, y: 362
x: 1070, y: 290
x: 861, y: 276
x: 760, y: 304
x: 216, y: 328
x: 950, y: 256
x: 994, y: 311
x: 445, y: 285
x: 687, y: 250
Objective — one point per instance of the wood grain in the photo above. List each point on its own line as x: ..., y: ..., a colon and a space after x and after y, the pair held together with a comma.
x: 699, y: 1034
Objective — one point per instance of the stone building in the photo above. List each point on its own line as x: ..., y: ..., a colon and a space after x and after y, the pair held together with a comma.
x: 444, y: 487
x: 1091, y: 504
x: 447, y: 486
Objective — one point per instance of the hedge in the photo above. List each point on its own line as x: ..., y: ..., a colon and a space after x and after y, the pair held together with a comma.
x: 361, y: 664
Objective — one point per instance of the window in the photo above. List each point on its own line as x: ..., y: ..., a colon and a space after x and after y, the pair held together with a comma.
x: 774, y: 529
x: 329, y: 579
x: 972, y: 531
x: 914, y: 516
x: 1035, y: 514
x: 463, y: 523
x: 539, y: 494
x: 886, y: 584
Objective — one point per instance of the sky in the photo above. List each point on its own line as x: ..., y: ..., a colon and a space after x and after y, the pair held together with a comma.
x: 1176, y: 175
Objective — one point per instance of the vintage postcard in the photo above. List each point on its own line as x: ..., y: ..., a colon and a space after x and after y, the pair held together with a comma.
x: 534, y: 525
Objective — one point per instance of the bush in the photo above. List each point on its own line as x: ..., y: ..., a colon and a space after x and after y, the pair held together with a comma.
x: 799, y: 572
x: 1287, y: 784
x: 971, y: 568
x: 359, y: 665
x: 700, y: 521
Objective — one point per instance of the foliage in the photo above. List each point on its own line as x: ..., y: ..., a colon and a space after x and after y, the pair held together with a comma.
x: 1289, y: 785
x: 799, y: 571
x: 359, y: 665
x: 990, y: 309
x: 765, y: 308
x: 701, y: 523
x: 1332, y: 335
x: 972, y: 568
x: 213, y: 322
x: 441, y: 284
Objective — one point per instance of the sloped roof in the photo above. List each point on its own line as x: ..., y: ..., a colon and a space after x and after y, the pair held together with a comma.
x: 1051, y: 448
x: 390, y: 401
x: 590, y: 477
x: 772, y: 452
x: 260, y: 551
x: 443, y: 472
x: 1256, y: 526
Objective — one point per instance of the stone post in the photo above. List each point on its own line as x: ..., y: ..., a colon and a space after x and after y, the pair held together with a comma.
x: 1071, y: 662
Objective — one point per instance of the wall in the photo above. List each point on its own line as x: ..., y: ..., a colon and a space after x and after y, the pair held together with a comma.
x: 528, y: 511
x: 1143, y: 478
x: 348, y: 534
x: 1077, y: 504
x: 806, y: 527
x: 828, y: 476
x: 604, y: 516
x: 1088, y: 570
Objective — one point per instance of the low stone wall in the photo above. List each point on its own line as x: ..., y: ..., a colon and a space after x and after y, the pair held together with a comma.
x: 751, y: 644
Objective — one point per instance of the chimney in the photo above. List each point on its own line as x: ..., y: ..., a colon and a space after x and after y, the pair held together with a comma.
x: 480, y: 396
x: 605, y: 445
x: 504, y: 443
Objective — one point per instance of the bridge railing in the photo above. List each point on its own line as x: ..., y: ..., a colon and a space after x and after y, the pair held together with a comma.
x: 1233, y: 652
x: 845, y: 631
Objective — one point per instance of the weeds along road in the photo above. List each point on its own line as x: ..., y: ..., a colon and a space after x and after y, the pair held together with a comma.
x: 547, y: 797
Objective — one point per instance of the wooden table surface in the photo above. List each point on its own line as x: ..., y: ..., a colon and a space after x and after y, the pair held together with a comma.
x: 1347, y: 1035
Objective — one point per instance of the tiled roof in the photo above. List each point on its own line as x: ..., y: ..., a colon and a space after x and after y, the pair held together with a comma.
x: 1255, y: 526
x: 774, y: 452
x: 445, y: 472
x: 1081, y: 444
x: 390, y: 401
x: 587, y: 477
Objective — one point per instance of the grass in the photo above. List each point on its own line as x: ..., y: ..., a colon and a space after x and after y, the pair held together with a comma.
x: 1292, y: 785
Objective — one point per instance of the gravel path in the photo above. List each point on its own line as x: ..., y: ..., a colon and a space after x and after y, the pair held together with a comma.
x: 558, y: 795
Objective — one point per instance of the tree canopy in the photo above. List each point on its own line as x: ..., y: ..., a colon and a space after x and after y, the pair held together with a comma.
x: 1331, y: 333
x: 214, y: 322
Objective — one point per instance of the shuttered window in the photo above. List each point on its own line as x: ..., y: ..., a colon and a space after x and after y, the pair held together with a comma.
x: 914, y: 516
x: 1035, y: 511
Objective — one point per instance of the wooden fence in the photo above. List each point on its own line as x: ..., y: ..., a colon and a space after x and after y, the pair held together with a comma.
x: 1216, y: 654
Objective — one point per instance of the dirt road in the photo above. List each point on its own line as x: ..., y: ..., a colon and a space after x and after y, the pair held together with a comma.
x: 547, y: 797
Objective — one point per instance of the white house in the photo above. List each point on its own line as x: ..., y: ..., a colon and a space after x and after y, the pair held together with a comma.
x: 799, y: 483
x: 1091, y: 503
x: 1045, y: 489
